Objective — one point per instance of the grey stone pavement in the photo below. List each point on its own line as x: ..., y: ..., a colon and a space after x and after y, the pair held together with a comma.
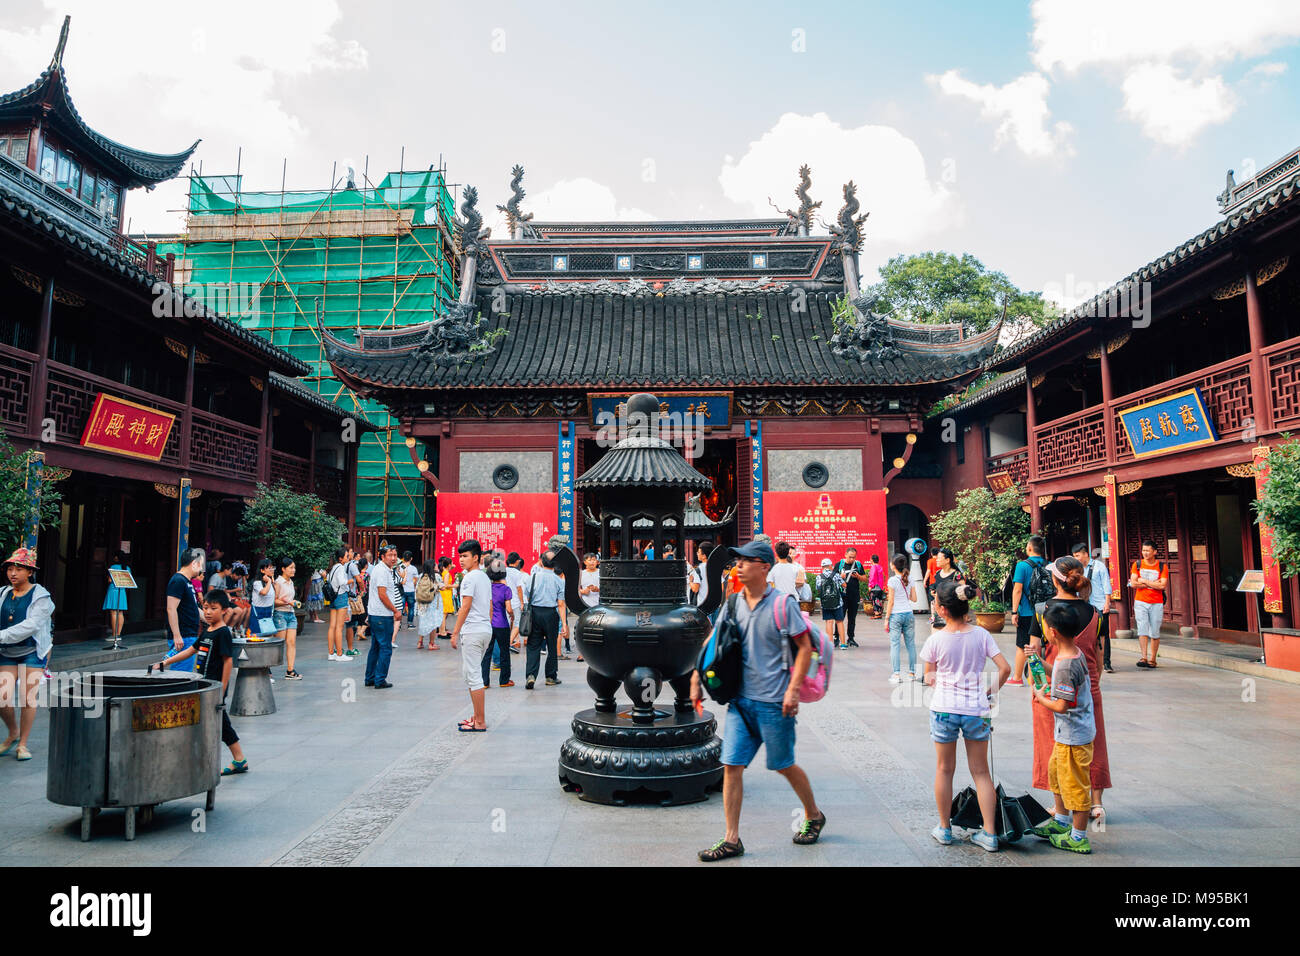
x: 1204, y: 761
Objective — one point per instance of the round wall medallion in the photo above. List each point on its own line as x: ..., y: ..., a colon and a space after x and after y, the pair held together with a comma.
x: 815, y: 474
x: 505, y: 477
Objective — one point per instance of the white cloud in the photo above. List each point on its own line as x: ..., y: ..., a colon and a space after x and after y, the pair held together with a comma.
x: 1070, y: 34
x: 211, y: 73
x: 573, y: 200
x: 1020, y: 107
x: 1266, y: 71
x: 906, y: 207
x: 1172, y: 110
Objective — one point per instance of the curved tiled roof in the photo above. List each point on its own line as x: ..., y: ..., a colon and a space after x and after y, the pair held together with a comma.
x: 24, y: 210
x: 603, y: 341
x: 998, y: 386
x: 643, y: 463
x: 135, y: 167
x: 1191, y: 251
x: 302, y: 392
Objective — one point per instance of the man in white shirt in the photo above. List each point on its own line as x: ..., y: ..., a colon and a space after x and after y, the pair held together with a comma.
x: 515, y: 580
x: 786, y: 576
x: 409, y: 575
x: 384, y: 607
x: 698, y: 578
x: 473, y: 629
x: 589, y: 581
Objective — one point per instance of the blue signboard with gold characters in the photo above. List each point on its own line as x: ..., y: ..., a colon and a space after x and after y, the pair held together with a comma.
x: 1174, y: 423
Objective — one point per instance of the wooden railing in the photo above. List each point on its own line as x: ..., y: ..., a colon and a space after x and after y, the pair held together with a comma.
x: 17, y: 370
x: 1282, y: 372
x: 1073, y: 443
x: 1225, y: 388
x: 220, y: 446
x: 292, y: 470
x: 1015, y: 462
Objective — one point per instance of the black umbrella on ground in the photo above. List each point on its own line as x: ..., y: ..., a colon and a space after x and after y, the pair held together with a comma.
x: 1013, y: 816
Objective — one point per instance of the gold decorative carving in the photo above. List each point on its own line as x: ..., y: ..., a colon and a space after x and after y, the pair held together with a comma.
x: 1044, y: 500
x: 1038, y: 379
x: 1128, y: 487
x: 1246, y: 470
x: 255, y: 382
x: 1118, y: 342
x: 68, y: 298
x: 1271, y: 270
x: 167, y: 491
x: 176, y: 347
x: 29, y: 279
x: 1099, y: 491
x: 201, y: 358
x: 250, y: 501
x: 1229, y: 291
x: 54, y: 474
x: 196, y: 493
x: 1094, y: 352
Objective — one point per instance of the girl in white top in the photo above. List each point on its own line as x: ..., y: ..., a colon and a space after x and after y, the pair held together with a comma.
x: 902, y: 622
x: 286, y: 622
x: 263, y: 598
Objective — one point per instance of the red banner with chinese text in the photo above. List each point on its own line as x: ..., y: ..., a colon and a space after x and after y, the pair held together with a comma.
x: 1116, y: 559
x: 126, y: 428
x: 1272, y: 574
x: 822, y: 524
x: 511, y: 522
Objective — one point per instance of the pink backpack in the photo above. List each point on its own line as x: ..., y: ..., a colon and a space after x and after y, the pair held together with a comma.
x: 818, y: 680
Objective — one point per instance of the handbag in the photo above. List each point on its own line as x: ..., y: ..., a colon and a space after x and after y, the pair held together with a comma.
x: 526, y: 615
x: 266, y: 627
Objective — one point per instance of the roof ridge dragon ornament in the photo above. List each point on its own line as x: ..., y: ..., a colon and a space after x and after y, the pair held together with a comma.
x: 515, y: 218
x: 847, y: 233
x: 799, y: 221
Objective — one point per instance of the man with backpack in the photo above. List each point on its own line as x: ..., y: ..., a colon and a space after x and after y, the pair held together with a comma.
x: 1032, y: 586
x: 763, y: 713
x: 830, y: 594
x: 1149, y: 579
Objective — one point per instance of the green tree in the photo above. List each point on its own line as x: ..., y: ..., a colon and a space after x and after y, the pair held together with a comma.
x: 940, y: 287
x: 13, y: 497
x: 1279, y: 504
x: 282, y: 523
x: 983, y: 531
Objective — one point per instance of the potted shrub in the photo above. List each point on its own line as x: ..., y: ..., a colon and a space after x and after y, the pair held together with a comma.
x: 983, y: 531
x: 1278, y: 506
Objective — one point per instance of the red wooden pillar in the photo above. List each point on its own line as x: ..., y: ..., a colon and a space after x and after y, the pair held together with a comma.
x: 350, y: 481
x: 1258, y: 382
x: 187, y: 416
x: 1120, y: 582
x: 1031, y: 423
x: 1108, y: 402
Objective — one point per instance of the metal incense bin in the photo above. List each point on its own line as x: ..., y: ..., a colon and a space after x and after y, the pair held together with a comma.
x: 253, y: 695
x: 642, y: 633
x: 131, y: 740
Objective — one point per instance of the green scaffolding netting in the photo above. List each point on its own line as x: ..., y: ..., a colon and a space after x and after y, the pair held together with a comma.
x: 385, y: 280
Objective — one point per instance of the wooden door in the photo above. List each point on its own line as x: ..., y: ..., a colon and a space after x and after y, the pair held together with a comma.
x: 1204, y: 591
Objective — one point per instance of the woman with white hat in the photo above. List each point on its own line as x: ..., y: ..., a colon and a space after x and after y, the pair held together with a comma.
x: 26, y: 634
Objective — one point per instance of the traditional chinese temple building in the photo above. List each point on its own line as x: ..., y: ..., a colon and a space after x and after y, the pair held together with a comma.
x: 1144, y: 413
x: 809, y: 404
x: 155, y: 416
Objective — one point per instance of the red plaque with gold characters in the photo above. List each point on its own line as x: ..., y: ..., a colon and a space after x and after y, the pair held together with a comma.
x: 1000, y: 481
x: 1272, y: 574
x: 126, y: 428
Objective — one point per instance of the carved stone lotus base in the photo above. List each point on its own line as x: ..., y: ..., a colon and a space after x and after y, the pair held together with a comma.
x: 611, y: 760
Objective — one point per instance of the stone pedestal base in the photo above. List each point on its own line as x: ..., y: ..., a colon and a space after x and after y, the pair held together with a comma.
x: 611, y: 760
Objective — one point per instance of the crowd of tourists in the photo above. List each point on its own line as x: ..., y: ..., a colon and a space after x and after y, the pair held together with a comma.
x: 488, y: 607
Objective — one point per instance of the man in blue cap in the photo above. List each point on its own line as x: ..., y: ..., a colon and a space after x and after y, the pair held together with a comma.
x: 764, y: 712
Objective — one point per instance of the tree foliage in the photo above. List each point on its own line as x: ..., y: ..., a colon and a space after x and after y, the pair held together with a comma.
x: 281, y: 523
x: 13, y: 497
x: 939, y: 287
x: 983, y: 531
x: 1279, y: 504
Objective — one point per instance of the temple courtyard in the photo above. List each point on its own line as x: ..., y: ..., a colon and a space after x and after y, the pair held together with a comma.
x: 1202, y: 758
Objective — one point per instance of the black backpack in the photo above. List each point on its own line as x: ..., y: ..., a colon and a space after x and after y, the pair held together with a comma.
x: 829, y: 591
x: 327, y: 590
x: 719, y: 662
x: 1040, y: 588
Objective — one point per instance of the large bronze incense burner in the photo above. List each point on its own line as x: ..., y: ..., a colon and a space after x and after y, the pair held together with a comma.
x: 643, y: 633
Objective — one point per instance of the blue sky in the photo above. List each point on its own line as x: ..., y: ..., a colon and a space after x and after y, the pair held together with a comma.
x: 1063, y: 143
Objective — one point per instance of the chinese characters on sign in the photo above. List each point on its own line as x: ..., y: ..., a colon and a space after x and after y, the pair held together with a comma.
x: 1174, y: 423
x: 567, y: 465
x: 513, y: 522
x: 713, y: 408
x: 126, y: 428
x: 823, y: 524
x: 1000, y: 481
x: 155, y: 714
x: 1272, y: 573
x: 756, y: 463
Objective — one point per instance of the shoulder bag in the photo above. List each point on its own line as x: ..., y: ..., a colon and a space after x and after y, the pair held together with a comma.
x: 526, y: 615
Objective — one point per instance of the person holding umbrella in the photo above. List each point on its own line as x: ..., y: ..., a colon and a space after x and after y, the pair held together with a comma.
x: 26, y: 635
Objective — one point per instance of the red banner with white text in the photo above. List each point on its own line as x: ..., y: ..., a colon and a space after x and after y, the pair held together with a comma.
x: 823, y: 523
x: 511, y: 522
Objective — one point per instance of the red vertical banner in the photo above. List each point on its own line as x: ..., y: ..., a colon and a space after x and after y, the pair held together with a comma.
x: 1112, y: 537
x: 1272, y: 574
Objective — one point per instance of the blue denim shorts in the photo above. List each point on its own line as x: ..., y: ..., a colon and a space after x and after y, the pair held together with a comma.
x: 944, y: 728
x: 31, y: 660
x: 835, y: 614
x: 286, y: 621
x: 754, y: 722
x: 340, y: 601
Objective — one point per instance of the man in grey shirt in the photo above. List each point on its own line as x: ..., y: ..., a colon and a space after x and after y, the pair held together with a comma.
x: 764, y: 711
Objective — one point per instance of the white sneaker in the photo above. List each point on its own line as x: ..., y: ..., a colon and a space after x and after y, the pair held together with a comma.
x: 896, y: 678
x: 344, y: 659
x: 909, y: 676
x: 394, y: 645
x: 332, y: 657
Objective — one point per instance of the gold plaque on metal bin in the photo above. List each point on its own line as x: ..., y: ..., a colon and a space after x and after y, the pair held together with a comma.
x: 159, y: 714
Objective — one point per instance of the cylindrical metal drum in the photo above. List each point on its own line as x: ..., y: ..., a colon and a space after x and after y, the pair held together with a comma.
x: 126, y: 739
x: 253, y: 695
